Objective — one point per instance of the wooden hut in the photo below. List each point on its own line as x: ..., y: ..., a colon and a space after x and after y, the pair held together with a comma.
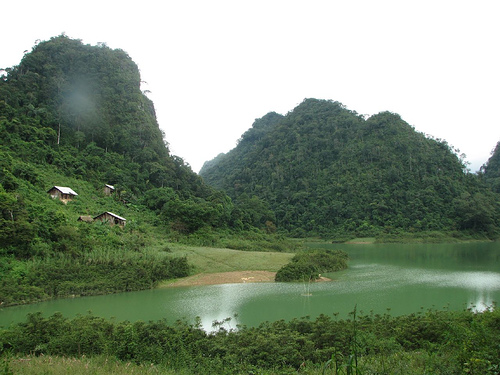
x: 111, y: 218
x: 65, y: 194
x: 109, y: 189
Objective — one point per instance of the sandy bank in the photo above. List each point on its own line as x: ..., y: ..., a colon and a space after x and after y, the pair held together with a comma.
x: 228, y: 278
x: 225, y: 278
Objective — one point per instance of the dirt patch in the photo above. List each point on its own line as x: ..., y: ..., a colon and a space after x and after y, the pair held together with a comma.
x: 225, y: 278
x: 322, y: 278
x: 229, y: 278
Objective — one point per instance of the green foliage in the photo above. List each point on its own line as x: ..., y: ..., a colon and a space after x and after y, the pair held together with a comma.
x: 491, y: 170
x: 306, y: 266
x: 438, y: 342
x: 95, y: 273
x: 297, y: 272
x: 325, y: 170
x: 74, y: 115
x: 80, y: 109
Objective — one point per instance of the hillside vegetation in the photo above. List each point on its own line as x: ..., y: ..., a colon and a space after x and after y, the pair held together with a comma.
x: 73, y: 115
x: 323, y: 169
x: 491, y: 170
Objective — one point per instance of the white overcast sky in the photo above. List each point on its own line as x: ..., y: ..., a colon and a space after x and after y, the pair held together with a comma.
x: 215, y: 66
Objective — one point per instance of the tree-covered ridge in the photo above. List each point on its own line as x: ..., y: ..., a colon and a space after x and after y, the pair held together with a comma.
x: 70, y: 99
x: 79, y: 108
x: 325, y: 169
x: 491, y: 170
x: 247, y: 144
x: 83, y: 90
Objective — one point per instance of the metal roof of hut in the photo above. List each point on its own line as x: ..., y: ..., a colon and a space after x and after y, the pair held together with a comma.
x: 106, y: 214
x: 115, y: 215
x: 63, y: 189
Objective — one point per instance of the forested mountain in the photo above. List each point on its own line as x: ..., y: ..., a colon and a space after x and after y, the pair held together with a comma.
x: 491, y: 170
x: 67, y: 96
x: 325, y: 169
x: 79, y: 109
x: 73, y: 115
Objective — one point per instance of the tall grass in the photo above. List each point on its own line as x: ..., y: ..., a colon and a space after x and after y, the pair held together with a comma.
x: 97, y: 365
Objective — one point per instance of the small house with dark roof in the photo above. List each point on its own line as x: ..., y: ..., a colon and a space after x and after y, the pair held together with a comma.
x: 109, y: 189
x: 65, y: 194
x: 111, y: 218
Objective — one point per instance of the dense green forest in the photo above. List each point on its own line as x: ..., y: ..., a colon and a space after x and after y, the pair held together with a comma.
x: 491, y: 170
x: 74, y: 115
x: 326, y: 170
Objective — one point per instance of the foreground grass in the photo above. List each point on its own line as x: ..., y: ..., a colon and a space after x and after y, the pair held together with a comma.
x: 409, y: 363
x: 97, y: 365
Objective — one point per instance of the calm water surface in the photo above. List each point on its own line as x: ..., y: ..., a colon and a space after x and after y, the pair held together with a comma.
x: 399, y: 279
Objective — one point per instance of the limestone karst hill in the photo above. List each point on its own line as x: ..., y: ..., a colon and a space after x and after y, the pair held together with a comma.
x: 325, y: 169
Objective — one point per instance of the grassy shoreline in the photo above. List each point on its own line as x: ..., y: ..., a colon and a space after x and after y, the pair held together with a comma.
x: 225, y: 265
x: 214, y: 259
x: 405, y: 237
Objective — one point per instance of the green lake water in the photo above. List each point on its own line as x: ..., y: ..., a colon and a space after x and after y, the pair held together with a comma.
x: 398, y: 279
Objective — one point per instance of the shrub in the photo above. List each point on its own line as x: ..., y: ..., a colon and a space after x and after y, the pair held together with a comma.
x: 308, y: 266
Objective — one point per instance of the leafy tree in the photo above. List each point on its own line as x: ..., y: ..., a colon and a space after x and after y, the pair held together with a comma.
x: 16, y: 232
x: 491, y: 169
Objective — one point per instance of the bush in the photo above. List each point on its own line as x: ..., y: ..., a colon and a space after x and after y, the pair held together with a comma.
x: 437, y: 342
x: 297, y: 272
x: 308, y: 266
x: 64, y: 276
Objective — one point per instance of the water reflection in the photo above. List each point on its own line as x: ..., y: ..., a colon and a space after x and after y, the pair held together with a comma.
x: 481, y: 302
x: 399, y: 278
x: 480, y: 281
